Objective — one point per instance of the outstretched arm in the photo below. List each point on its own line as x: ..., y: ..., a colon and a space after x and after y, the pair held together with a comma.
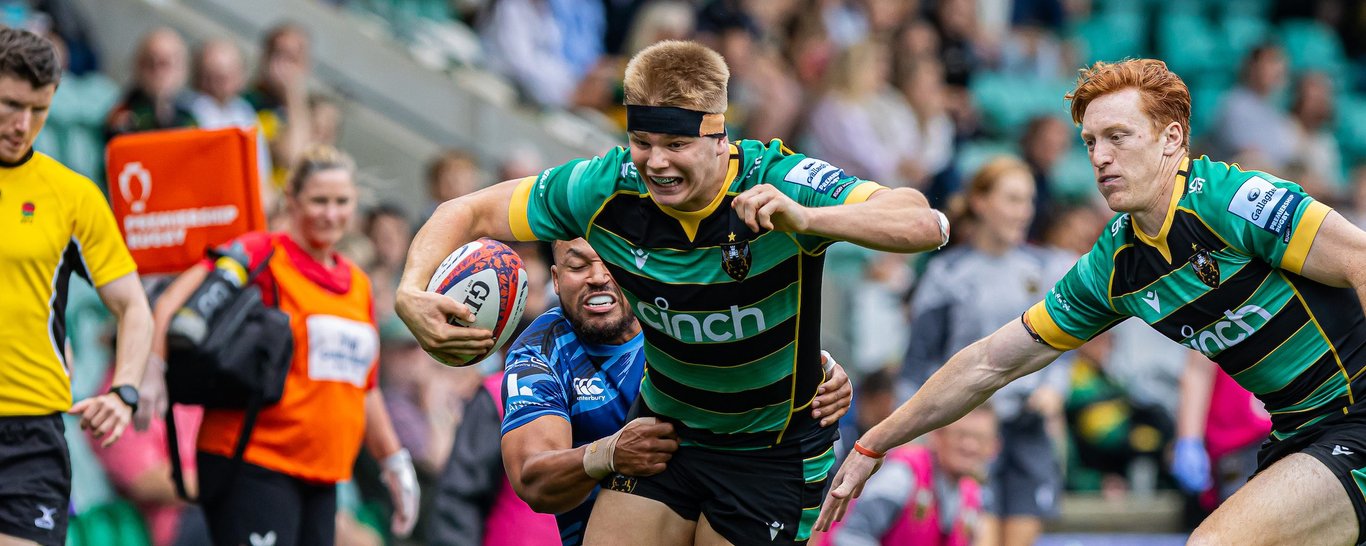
x: 894, y: 220
x: 966, y: 380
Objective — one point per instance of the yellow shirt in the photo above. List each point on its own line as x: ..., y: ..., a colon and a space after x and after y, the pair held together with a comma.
x: 53, y: 222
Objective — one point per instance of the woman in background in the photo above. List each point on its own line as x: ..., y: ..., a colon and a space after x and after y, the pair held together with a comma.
x: 285, y: 492
x: 991, y: 276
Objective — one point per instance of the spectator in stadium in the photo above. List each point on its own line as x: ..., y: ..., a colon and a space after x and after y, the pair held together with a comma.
x: 452, y: 173
x: 1220, y: 427
x: 280, y: 95
x: 766, y: 100
x: 1043, y: 143
x: 426, y: 402
x: 60, y: 225
x: 811, y: 51
x: 571, y: 380
x: 876, y: 395
x: 1265, y: 261
x: 960, y: 48
x: 531, y: 42
x: 390, y: 232
x: 474, y: 503
x: 659, y: 20
x: 220, y: 76
x: 157, y: 98
x: 304, y: 445
x: 927, y: 495
x: 326, y: 116
x: 864, y: 125
x: 1317, y: 157
x: 921, y: 82
x: 1250, y: 122
x: 1073, y: 229
x: 1356, y: 197
x: 74, y: 133
x: 786, y: 204
x: 139, y: 467
x: 990, y: 276
x: 1118, y: 440
x: 520, y: 163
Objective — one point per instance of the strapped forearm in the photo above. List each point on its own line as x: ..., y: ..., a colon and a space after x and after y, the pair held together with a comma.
x: 557, y: 481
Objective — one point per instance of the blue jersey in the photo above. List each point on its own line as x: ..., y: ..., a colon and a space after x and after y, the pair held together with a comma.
x: 551, y: 372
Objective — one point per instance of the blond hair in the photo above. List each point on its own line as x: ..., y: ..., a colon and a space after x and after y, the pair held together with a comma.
x: 1163, y: 96
x: 315, y: 159
x: 679, y: 74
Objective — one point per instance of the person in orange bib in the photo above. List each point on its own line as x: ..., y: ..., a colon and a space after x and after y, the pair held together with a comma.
x: 285, y: 491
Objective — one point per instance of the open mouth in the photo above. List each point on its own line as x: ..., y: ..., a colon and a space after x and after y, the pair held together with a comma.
x: 600, y: 303
x: 1107, y: 179
x: 666, y: 181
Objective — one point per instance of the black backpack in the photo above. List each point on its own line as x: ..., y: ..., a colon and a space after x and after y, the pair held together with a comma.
x: 241, y: 363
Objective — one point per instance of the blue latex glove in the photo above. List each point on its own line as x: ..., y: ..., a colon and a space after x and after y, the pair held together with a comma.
x: 1190, y: 465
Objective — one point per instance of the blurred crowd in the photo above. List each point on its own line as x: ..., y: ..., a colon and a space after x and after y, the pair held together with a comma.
x: 961, y: 99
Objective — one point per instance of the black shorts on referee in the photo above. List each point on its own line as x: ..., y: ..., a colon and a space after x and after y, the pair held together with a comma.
x: 35, y: 479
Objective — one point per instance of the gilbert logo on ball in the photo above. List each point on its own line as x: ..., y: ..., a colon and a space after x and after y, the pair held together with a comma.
x: 490, y: 280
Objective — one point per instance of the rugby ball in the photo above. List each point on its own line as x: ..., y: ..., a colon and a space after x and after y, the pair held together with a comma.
x: 487, y: 277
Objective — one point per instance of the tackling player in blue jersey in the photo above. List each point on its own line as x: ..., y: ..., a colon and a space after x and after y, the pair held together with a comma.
x: 570, y: 380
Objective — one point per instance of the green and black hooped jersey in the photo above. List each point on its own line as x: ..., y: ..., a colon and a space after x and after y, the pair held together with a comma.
x: 1223, y: 277
x: 731, y: 317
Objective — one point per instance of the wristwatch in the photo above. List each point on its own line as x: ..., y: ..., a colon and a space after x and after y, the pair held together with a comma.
x: 128, y: 394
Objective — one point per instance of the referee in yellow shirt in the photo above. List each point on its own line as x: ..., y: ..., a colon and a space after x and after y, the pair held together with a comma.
x: 55, y: 223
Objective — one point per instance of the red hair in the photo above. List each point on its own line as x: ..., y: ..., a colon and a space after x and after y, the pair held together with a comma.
x: 1163, y: 96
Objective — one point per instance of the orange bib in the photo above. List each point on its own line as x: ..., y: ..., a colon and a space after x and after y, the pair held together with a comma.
x: 316, y: 430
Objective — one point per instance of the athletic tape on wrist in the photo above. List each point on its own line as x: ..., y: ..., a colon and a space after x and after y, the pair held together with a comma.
x: 597, y: 458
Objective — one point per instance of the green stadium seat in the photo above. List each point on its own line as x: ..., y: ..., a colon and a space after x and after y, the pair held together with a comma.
x: 1205, y: 100
x: 1007, y: 102
x: 1312, y: 46
x: 1242, y: 32
x: 1185, y: 42
x: 1251, y: 8
x: 112, y: 523
x: 1111, y: 36
x: 975, y: 153
x: 1073, y: 179
x: 1351, y: 128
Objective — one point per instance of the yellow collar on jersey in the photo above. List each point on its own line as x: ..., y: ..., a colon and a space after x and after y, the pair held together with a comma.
x: 1159, y: 241
x: 691, y: 220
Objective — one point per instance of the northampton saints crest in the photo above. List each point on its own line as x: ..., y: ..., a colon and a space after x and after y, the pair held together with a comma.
x: 625, y: 484
x: 1205, y: 267
x: 735, y: 257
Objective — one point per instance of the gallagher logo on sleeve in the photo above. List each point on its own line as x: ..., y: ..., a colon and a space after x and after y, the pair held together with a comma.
x: 815, y: 174
x: 1265, y: 205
